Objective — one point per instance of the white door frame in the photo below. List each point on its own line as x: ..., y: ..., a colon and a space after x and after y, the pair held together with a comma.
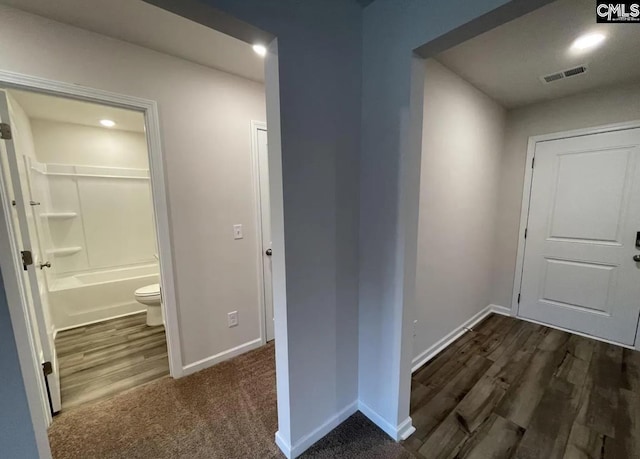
x: 32, y: 375
x: 11, y: 80
x: 255, y: 172
x: 524, y: 209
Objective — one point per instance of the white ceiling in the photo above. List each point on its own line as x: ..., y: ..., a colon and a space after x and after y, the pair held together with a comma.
x: 140, y: 23
x: 52, y: 108
x: 506, y: 62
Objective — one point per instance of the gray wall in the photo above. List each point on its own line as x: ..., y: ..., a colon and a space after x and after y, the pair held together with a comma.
x: 461, y: 151
x: 17, y: 439
x: 390, y: 180
x: 596, y: 108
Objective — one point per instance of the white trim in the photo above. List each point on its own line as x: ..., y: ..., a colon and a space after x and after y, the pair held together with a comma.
x: 283, y: 445
x: 308, y: 440
x: 150, y: 109
x: 400, y: 432
x: 526, y: 193
x: 587, y: 131
x: 524, y: 218
x: 126, y: 177
x: 456, y: 333
x: 220, y: 357
x: 163, y: 233
x: 502, y: 310
x: 405, y: 429
x: 25, y: 341
x: 255, y: 181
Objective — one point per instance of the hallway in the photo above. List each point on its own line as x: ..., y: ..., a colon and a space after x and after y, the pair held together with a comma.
x: 227, y: 411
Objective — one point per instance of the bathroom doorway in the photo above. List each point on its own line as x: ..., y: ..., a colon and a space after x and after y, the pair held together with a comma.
x: 77, y: 178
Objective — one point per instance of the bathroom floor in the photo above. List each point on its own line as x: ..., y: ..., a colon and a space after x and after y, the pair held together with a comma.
x: 100, y: 360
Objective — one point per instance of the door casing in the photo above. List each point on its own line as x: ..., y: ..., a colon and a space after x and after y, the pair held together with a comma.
x: 524, y: 213
x: 263, y: 277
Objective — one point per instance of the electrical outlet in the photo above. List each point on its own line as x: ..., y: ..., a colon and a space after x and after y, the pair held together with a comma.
x: 237, y: 232
x: 232, y: 319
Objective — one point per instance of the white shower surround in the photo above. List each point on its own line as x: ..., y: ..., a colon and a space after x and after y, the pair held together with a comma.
x: 97, y: 228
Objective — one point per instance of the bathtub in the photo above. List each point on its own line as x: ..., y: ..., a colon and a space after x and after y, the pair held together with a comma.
x: 89, y: 297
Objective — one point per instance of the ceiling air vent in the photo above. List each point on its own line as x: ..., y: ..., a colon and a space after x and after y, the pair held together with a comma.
x: 564, y: 74
x: 575, y: 71
x: 553, y: 77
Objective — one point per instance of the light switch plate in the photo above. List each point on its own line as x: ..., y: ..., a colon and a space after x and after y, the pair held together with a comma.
x: 237, y: 232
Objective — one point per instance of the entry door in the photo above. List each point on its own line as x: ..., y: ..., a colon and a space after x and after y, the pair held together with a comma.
x: 15, y: 175
x: 265, y: 215
x: 583, y: 233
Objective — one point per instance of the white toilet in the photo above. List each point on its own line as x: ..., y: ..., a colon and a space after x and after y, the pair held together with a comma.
x: 150, y: 296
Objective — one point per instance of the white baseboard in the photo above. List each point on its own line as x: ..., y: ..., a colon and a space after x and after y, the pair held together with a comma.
x: 308, y: 440
x: 405, y: 429
x: 284, y: 446
x: 222, y: 356
x: 502, y: 310
x: 397, y: 433
x: 443, y: 343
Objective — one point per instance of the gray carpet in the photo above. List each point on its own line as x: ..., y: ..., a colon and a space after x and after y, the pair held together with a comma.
x: 227, y: 411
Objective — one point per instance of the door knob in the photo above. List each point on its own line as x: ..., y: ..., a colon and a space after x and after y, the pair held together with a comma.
x: 45, y: 265
x: 636, y: 258
x: 269, y: 252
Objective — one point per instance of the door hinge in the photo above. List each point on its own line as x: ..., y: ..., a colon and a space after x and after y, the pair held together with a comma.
x: 533, y: 162
x: 518, y: 298
x: 47, y: 368
x: 5, y: 131
x: 27, y: 258
x: 525, y: 232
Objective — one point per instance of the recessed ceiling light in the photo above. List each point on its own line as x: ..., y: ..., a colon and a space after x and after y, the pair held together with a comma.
x: 260, y: 50
x: 107, y: 123
x: 588, y: 41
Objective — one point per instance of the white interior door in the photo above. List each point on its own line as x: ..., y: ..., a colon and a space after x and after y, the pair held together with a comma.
x: 15, y: 174
x: 579, y: 271
x: 265, y: 215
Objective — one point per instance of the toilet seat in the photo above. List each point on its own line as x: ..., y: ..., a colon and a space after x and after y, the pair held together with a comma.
x: 149, y: 293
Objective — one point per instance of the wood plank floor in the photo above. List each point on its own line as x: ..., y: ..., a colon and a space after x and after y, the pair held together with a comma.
x: 513, y: 389
x: 100, y: 360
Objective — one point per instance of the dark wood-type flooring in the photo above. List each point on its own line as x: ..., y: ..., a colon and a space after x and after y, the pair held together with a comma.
x: 513, y: 389
x: 103, y: 359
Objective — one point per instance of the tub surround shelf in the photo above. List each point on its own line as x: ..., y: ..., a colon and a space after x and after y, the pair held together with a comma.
x: 59, y: 215
x: 64, y: 251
